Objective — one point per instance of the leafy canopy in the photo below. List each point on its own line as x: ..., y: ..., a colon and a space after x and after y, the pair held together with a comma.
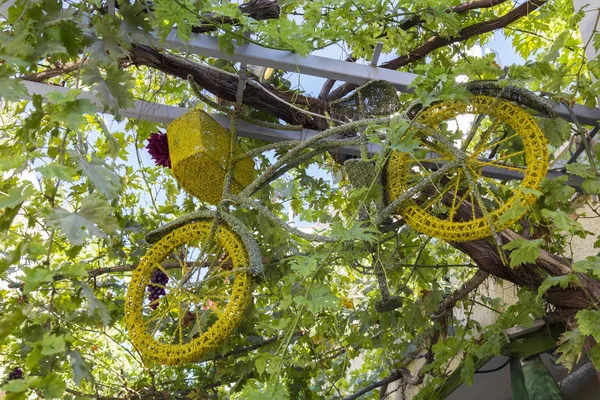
x: 79, y: 192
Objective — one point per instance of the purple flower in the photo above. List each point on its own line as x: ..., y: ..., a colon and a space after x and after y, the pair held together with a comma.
x: 158, y: 147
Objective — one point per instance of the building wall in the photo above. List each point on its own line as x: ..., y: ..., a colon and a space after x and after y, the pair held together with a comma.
x: 582, y: 248
x: 507, y: 291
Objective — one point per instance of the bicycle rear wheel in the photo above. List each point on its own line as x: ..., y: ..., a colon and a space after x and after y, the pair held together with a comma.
x: 497, y: 142
x: 188, y: 293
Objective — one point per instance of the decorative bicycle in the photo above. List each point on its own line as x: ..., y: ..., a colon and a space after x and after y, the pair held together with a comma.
x: 190, y: 290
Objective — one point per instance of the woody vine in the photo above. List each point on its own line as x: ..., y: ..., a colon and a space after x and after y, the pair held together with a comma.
x: 80, y: 194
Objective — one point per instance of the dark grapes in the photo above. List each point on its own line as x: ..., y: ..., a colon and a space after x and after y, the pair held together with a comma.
x: 155, y: 292
x: 16, y: 373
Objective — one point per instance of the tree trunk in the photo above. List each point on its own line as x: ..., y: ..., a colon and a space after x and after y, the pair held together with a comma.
x: 224, y: 85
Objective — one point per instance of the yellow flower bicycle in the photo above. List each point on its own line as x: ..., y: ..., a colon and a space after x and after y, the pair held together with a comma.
x: 191, y: 288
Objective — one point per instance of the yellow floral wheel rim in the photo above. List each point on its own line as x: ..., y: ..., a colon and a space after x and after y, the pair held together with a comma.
x: 188, y: 322
x: 509, y: 138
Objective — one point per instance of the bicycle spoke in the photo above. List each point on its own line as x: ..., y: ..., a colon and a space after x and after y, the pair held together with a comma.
x: 499, y: 142
x: 463, y: 198
x: 486, y: 186
x: 180, y: 322
x: 430, y: 160
x: 160, y: 314
x: 453, y: 208
x: 435, y: 147
x: 476, y: 124
x: 484, y: 137
x: 507, y: 156
x: 493, y: 163
x: 441, y: 194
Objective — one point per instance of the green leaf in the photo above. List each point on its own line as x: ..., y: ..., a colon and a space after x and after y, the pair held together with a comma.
x: 53, y: 386
x: 53, y: 344
x: 562, y: 280
x: 72, y: 113
x: 36, y: 249
x: 557, y: 192
x: 401, y: 138
x: 12, y: 162
x: 114, y: 89
x: 73, y: 270
x: 571, y: 348
x: 61, y: 172
x: 94, y: 218
x: 111, y: 142
x: 95, y: 305
x: 562, y: 220
x: 524, y: 251
x: 591, y: 265
x: 270, y: 390
x: 589, y: 323
x: 181, y: 14
x: 557, y: 46
x: 16, y: 196
x: 261, y: 362
x: 79, y: 368
x: 354, y: 232
x: 591, y: 186
x: 557, y: 130
x: 514, y: 212
x: 102, y: 178
x: 304, y: 266
x: 594, y: 356
x: 597, y: 41
x: 582, y: 170
x: 319, y: 297
x: 36, y: 277
x: 467, y: 371
x: 11, y: 89
x: 594, y: 68
x: 14, y: 386
x: 9, y: 323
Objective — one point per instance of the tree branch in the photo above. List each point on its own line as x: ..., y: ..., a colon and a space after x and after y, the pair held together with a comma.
x: 435, y: 335
x: 54, y: 72
x: 400, y: 373
x: 93, y: 273
x: 408, y: 23
x: 256, y: 9
x: 247, y: 349
x: 435, y: 42
x: 448, y: 304
x: 224, y: 85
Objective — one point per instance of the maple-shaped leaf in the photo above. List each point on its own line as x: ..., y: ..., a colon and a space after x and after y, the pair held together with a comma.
x: 94, y: 218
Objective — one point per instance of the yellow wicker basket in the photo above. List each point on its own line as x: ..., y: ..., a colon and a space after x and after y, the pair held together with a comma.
x: 199, y: 151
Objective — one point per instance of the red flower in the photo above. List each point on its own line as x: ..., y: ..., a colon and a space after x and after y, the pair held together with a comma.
x: 158, y: 147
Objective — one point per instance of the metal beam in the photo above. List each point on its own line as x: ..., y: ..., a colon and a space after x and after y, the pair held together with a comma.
x: 324, y: 67
x: 154, y: 112
x: 504, y: 174
x: 289, y: 61
x: 585, y: 115
x: 581, y: 146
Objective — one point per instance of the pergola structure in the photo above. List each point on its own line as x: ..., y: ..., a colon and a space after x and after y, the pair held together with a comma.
x: 344, y: 71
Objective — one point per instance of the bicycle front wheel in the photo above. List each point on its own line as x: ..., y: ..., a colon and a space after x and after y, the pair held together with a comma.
x: 189, y: 293
x: 498, y: 141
